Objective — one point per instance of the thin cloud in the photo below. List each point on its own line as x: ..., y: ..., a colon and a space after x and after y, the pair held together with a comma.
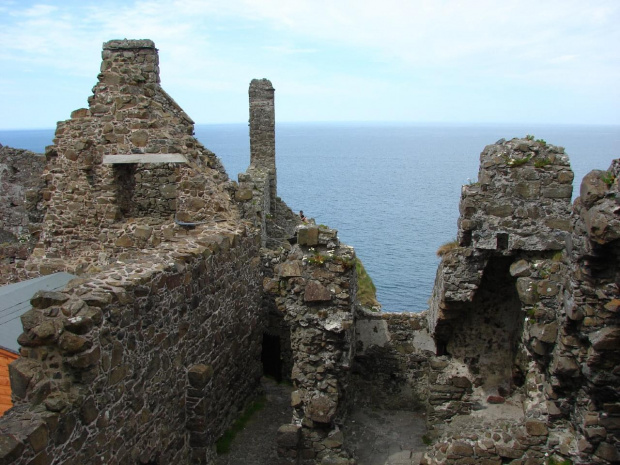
x: 289, y: 50
x: 351, y: 47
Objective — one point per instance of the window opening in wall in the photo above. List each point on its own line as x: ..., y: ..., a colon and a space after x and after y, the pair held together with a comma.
x: 271, y: 356
x: 442, y: 348
x: 466, y: 238
x: 502, y: 241
x: 125, y: 186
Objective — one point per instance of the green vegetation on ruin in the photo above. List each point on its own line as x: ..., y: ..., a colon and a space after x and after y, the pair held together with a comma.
x: 542, y: 162
x: 608, y: 178
x: 222, y: 446
x: 447, y: 247
x: 366, y: 290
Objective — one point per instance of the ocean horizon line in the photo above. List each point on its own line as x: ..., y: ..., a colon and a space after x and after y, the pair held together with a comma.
x: 380, y: 123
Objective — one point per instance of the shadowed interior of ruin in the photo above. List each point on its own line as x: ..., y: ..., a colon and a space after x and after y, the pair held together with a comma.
x: 271, y: 357
x: 489, y: 328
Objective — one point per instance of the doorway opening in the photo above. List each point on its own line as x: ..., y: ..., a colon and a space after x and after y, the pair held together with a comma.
x: 271, y: 356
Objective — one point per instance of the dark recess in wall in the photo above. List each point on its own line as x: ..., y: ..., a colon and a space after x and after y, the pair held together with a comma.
x: 271, y: 357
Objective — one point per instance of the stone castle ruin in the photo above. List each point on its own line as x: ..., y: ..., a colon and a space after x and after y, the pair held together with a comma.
x: 192, y: 286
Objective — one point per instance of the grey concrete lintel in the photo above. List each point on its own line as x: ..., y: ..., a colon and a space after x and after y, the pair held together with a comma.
x: 144, y: 158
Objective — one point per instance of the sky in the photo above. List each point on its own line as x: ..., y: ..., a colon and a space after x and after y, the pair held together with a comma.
x: 477, y: 61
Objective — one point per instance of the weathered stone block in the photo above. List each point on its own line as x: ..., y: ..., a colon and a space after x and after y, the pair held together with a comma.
x: 565, y: 366
x: 10, y: 448
x: 331, y: 460
x: 139, y: 138
x: 459, y: 449
x: 199, y: 375
x: 536, y: 428
x: 564, y: 191
x: 72, y: 343
x: 143, y: 232
x: 44, y: 299
x: 31, y: 318
x: 592, y: 188
x: 124, y: 241
x: 527, y: 290
x: 289, y: 436
x: 607, y: 452
x: 508, y: 452
x: 545, y: 332
x: 605, y: 339
x: 296, y: 399
x: 321, y: 409
x: 80, y: 113
x: 308, y: 236
x: 316, y: 292
x: 528, y: 190
x: 288, y: 269
x: 85, y: 359
x: 562, y: 224
x: 243, y: 194
x: 501, y: 210
x: 520, y: 268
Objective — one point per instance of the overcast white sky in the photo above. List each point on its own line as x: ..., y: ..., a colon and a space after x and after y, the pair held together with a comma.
x: 531, y: 61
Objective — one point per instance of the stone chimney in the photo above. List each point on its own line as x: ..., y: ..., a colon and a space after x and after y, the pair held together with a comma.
x: 262, y: 129
x: 137, y: 61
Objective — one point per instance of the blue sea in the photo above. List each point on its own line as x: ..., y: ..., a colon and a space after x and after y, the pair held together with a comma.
x: 392, y: 190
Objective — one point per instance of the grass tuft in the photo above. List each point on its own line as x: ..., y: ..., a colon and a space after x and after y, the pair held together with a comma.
x: 366, y: 290
x: 447, y: 247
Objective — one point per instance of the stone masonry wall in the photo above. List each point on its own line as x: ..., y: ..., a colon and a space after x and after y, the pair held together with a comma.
x: 257, y: 189
x: 97, y: 211
x: 585, y: 366
x: 526, y: 283
x: 314, y: 288
x: 390, y: 369
x: 21, y: 209
x: 147, y: 362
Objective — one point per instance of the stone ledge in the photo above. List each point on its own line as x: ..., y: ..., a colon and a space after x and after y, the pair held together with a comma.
x: 144, y: 158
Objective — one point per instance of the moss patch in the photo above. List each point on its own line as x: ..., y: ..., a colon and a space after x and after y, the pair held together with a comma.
x: 222, y: 446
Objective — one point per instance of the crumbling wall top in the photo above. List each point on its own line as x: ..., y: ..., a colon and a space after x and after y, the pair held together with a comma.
x: 126, y: 44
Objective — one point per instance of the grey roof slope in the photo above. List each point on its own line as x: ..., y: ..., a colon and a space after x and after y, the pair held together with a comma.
x: 15, y: 301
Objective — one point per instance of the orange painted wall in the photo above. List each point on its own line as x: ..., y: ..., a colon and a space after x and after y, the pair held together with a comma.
x: 6, y: 357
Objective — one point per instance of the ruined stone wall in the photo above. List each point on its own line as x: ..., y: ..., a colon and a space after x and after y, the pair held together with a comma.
x: 585, y: 366
x: 257, y: 188
x: 98, y: 209
x: 21, y: 209
x: 147, y: 362
x: 518, y: 311
x: 314, y: 288
x: 390, y: 369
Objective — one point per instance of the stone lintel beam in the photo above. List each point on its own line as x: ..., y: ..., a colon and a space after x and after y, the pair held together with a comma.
x: 144, y: 158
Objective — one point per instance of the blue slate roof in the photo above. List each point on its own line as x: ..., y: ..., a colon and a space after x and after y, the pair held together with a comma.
x: 15, y: 301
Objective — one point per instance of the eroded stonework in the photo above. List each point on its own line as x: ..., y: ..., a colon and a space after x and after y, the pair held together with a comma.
x: 193, y: 286
x: 524, y: 314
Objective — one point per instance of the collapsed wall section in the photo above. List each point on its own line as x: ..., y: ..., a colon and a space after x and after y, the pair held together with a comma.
x: 313, y: 287
x: 528, y: 282
x: 585, y: 365
x: 145, y: 363
x: 21, y: 209
x: 391, y: 365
